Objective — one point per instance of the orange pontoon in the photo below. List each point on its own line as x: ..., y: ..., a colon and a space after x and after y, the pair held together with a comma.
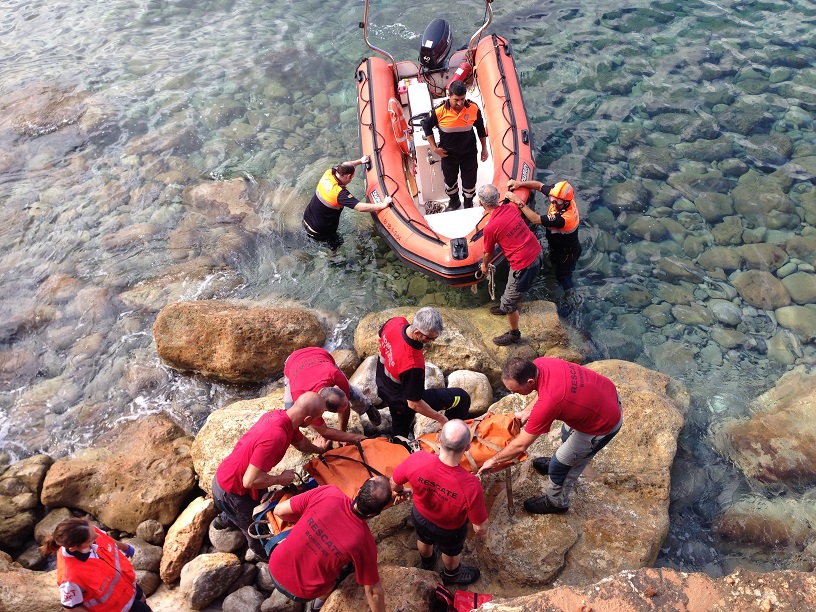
x: 392, y: 97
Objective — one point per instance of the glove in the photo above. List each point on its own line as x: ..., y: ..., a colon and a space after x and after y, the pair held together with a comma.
x: 129, y: 551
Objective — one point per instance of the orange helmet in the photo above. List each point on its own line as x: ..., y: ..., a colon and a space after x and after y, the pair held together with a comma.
x: 563, y: 191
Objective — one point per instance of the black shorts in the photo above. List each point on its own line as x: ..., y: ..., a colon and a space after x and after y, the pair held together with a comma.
x: 450, y: 541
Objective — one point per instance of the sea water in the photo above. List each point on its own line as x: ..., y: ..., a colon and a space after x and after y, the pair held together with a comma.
x: 110, y: 112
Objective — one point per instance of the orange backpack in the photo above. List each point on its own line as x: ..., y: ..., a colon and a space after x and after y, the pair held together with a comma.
x: 491, y: 433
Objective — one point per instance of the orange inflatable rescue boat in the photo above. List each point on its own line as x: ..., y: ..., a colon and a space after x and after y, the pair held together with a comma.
x: 392, y: 98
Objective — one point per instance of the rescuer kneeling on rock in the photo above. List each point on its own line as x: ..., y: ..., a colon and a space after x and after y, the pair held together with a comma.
x: 330, y: 534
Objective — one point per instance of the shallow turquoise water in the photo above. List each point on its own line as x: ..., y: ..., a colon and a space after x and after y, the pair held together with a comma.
x: 109, y: 111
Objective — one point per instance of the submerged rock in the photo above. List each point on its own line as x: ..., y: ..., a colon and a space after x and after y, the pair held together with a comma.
x: 761, y: 289
x: 777, y: 444
x: 770, y: 524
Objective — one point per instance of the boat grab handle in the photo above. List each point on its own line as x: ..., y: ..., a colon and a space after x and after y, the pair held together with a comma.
x: 525, y: 136
x: 360, y: 76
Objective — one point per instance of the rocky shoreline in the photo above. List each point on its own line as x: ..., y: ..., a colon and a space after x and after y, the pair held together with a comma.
x: 147, y: 482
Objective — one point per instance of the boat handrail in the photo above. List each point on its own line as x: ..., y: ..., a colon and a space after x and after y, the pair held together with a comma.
x: 388, y: 56
x: 488, y: 19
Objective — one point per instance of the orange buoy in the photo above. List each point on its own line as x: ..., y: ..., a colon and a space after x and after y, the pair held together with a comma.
x: 399, y: 125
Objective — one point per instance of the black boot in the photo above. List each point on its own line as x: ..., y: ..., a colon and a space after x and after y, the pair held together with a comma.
x: 454, y: 203
x: 468, y: 202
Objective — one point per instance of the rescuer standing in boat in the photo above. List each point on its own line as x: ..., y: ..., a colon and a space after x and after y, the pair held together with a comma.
x: 562, y: 220
x: 322, y: 216
x: 456, y: 118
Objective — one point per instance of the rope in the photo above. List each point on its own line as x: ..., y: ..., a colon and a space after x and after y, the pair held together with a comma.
x: 491, y: 281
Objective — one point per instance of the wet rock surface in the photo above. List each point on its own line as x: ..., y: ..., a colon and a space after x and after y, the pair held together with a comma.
x: 143, y: 472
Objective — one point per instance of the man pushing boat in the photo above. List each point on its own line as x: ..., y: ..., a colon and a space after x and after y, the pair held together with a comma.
x: 322, y: 216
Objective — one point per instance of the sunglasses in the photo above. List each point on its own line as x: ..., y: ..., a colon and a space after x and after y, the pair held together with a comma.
x: 426, y: 338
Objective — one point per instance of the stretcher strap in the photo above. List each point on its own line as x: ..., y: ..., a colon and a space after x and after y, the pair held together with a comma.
x: 372, y: 471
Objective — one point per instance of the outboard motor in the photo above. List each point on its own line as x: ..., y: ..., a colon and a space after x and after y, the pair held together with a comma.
x: 436, y: 44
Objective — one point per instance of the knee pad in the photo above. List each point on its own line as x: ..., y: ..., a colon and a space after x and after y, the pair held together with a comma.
x: 558, y: 471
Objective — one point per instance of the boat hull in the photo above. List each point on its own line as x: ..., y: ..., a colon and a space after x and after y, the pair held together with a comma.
x: 447, y: 246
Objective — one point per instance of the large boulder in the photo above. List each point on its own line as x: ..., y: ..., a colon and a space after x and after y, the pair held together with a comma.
x: 777, y: 444
x: 406, y: 588
x: 20, y: 487
x: 185, y: 536
x: 23, y: 590
x: 466, y: 341
x: 619, y: 515
x: 225, y: 426
x: 141, y: 470
x: 233, y: 342
x: 231, y: 201
x: 667, y: 589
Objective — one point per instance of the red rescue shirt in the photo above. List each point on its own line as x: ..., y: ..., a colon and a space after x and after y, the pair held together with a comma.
x: 326, y: 537
x: 264, y: 445
x: 581, y: 398
x: 401, y: 367
x: 312, y: 369
x: 509, y: 230
x: 447, y: 496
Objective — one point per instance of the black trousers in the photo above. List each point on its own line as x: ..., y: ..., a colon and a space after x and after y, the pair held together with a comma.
x: 454, y: 401
x: 468, y: 165
x: 564, y: 262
